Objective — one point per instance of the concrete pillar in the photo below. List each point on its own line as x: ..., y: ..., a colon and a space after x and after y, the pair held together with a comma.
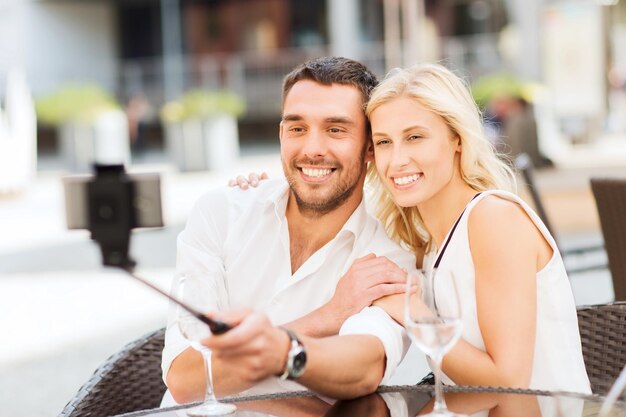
x: 172, y: 49
x: 413, y: 17
x: 527, y: 17
x: 13, y: 33
x: 343, y: 28
x: 393, y: 41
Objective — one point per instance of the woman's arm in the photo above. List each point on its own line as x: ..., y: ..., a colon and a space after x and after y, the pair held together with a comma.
x: 507, y: 250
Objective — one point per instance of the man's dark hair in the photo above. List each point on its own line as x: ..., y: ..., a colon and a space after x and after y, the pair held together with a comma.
x: 333, y: 70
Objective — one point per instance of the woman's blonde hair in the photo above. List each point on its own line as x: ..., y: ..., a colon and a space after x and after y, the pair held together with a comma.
x: 445, y: 94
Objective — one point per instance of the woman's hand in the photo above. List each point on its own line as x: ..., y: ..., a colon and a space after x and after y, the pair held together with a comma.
x: 252, y: 180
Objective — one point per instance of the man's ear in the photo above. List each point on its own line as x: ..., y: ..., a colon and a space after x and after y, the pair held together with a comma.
x: 280, y: 131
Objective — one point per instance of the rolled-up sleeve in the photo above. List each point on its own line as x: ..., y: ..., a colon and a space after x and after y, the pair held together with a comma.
x: 376, y: 322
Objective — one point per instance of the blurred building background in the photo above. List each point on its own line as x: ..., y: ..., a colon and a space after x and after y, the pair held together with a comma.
x: 156, y: 50
x: 550, y: 75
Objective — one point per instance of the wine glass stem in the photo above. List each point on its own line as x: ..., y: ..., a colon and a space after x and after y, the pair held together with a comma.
x: 209, y: 395
x: 440, y: 402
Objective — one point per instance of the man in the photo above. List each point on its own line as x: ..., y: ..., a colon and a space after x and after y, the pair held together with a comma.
x: 282, y: 248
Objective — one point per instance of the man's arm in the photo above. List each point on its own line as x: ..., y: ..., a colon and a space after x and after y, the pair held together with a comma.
x: 368, y: 279
x: 337, y: 366
x: 198, y: 249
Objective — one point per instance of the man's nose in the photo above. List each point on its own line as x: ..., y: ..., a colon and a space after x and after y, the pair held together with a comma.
x: 315, y: 144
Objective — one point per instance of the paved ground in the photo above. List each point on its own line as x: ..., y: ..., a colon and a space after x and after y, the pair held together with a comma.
x: 62, y: 314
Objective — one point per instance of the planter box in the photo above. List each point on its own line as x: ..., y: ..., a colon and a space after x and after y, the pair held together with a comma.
x: 106, y: 140
x: 203, y: 144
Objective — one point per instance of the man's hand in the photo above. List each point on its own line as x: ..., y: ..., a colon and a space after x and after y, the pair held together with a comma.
x: 368, y: 279
x: 253, y: 349
x: 252, y: 180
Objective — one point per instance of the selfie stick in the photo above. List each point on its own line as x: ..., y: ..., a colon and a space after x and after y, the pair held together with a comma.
x: 216, y: 326
x: 112, y: 216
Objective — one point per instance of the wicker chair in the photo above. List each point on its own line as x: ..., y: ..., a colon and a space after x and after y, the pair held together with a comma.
x: 129, y: 380
x: 603, y: 337
x: 610, y: 195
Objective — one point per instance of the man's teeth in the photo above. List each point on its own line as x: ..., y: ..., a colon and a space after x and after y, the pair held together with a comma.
x: 406, y: 180
x: 310, y: 172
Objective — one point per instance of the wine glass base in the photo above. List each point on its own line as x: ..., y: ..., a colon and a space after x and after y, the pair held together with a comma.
x: 212, y: 409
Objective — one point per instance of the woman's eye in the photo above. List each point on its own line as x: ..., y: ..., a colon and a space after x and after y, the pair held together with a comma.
x: 414, y: 137
x: 382, y: 142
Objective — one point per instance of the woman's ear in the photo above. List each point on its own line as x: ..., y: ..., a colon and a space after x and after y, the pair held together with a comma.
x: 457, y: 141
x: 369, y: 151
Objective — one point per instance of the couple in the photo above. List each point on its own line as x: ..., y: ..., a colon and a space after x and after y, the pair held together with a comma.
x: 304, y: 253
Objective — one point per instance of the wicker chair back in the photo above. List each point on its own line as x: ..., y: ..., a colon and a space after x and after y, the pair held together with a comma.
x: 603, y: 337
x: 130, y: 380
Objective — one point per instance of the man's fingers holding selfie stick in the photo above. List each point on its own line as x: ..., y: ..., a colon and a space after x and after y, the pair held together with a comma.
x: 247, y: 325
x: 254, y: 346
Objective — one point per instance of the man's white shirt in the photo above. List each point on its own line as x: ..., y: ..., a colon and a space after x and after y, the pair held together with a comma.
x: 239, y: 241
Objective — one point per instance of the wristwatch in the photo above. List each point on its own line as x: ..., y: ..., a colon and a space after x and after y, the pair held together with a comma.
x: 296, y: 357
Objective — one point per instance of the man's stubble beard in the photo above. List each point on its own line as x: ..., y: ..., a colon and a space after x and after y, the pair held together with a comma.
x: 336, y: 197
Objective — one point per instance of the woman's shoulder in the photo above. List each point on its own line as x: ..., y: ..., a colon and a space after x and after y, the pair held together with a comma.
x: 499, y: 216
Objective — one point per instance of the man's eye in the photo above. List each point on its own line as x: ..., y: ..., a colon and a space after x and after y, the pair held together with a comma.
x: 335, y: 130
x: 296, y: 129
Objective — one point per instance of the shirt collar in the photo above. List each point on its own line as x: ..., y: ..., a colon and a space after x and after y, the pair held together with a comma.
x: 278, y: 198
x: 357, y: 220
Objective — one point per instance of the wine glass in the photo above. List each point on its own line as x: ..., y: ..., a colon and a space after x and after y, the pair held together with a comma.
x: 194, y: 290
x: 433, y: 322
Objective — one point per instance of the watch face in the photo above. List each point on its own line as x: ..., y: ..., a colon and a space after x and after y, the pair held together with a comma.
x: 298, y: 364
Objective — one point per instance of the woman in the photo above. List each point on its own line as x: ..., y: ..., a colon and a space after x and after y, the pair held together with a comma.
x: 434, y: 168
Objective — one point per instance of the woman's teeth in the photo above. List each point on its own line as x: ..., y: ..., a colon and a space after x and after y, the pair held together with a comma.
x: 406, y: 180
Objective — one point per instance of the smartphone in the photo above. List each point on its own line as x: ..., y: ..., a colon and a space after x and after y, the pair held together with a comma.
x: 146, y: 200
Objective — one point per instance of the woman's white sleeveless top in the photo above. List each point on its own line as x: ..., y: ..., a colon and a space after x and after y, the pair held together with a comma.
x: 558, y: 361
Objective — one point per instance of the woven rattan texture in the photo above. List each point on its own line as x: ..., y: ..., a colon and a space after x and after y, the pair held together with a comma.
x: 603, y: 336
x: 610, y: 195
x: 128, y: 381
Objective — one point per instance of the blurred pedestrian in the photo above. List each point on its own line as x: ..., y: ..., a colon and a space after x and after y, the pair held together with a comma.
x: 517, y: 128
x: 137, y: 111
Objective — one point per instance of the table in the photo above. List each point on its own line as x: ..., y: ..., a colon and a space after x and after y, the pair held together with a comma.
x: 404, y: 401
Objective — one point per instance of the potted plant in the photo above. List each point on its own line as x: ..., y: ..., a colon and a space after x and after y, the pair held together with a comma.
x: 91, y: 125
x: 201, y: 129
